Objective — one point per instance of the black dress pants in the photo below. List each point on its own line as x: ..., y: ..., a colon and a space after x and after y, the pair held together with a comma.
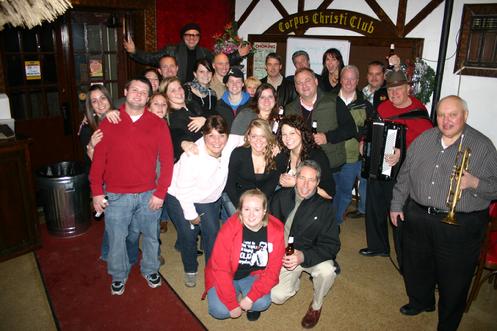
x: 436, y: 253
x: 378, y: 197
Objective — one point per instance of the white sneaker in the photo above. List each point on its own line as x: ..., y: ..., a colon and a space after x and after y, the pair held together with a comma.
x: 190, y: 279
x: 117, y: 287
x: 153, y: 280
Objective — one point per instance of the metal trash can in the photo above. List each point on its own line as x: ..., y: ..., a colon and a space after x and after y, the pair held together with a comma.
x: 64, y: 192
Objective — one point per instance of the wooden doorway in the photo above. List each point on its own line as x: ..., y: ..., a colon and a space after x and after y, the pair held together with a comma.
x: 39, y: 99
x: 65, y: 58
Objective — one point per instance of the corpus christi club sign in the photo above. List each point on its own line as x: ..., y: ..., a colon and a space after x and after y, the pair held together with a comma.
x: 343, y: 19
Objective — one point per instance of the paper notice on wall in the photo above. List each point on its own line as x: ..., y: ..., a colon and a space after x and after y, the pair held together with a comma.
x: 315, y: 47
x: 263, y: 49
x: 33, y: 70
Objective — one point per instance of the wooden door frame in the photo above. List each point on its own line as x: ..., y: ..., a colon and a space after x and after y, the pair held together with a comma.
x: 141, y: 21
x: 142, y: 16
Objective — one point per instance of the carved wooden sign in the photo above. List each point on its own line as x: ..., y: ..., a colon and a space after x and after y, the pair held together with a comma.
x: 331, y: 18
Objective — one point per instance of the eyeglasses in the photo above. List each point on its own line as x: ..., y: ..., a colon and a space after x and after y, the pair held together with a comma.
x: 192, y: 35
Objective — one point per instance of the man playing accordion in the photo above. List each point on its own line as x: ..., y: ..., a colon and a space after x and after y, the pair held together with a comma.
x: 379, y: 191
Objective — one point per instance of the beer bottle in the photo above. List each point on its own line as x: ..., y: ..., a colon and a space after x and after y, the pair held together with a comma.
x: 390, y: 53
x: 314, y: 127
x: 290, y: 249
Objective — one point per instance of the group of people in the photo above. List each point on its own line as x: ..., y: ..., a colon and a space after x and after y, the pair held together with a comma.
x: 254, y: 170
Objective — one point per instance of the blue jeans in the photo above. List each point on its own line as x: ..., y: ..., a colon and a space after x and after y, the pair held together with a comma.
x: 344, y: 180
x: 209, y: 227
x: 227, y: 208
x: 126, y: 216
x: 218, y: 310
x: 131, y: 247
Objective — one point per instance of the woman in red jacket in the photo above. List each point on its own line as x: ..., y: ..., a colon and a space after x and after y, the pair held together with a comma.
x: 246, y: 260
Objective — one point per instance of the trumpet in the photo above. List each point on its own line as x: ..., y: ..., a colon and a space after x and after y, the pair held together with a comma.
x: 455, y: 191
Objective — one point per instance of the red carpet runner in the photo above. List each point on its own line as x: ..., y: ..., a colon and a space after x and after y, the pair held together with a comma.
x: 78, y: 287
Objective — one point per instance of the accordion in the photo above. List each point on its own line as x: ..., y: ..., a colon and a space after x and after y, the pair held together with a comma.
x: 382, y: 139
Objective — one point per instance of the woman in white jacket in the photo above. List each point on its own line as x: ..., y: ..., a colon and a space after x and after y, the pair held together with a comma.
x: 193, y: 200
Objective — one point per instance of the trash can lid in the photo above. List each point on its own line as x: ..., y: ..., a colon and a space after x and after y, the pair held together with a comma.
x: 61, y: 169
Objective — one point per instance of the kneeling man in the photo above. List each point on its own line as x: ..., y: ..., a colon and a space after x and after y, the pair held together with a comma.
x: 310, y: 220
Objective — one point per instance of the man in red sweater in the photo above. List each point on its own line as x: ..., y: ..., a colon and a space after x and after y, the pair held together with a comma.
x: 125, y: 163
x: 379, y: 192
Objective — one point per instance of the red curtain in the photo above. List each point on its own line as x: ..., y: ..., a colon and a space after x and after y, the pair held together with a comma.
x: 211, y: 15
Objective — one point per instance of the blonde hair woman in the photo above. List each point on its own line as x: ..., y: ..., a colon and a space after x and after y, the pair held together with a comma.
x: 253, y: 165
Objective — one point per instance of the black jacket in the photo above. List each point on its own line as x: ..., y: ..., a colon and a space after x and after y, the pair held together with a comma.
x: 241, y: 176
x: 314, y: 228
x: 286, y: 91
x: 225, y: 110
x: 178, y: 126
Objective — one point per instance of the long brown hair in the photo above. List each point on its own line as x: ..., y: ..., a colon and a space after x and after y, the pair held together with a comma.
x: 297, y: 122
x: 91, y: 116
x: 163, y: 89
x: 271, y: 142
x: 255, y: 101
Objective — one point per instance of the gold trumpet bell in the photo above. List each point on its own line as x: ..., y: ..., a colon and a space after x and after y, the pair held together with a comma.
x: 450, y: 218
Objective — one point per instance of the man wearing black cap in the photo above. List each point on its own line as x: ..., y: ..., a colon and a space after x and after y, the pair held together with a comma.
x: 234, y: 98
x: 379, y: 192
x: 187, y: 52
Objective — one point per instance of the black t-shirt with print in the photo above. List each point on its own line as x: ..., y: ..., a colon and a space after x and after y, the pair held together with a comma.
x: 254, y: 253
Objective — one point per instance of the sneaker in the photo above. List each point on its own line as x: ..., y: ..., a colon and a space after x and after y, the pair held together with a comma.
x: 190, y: 279
x: 253, y: 315
x: 117, y: 287
x: 356, y: 214
x: 153, y: 280
x: 338, y: 270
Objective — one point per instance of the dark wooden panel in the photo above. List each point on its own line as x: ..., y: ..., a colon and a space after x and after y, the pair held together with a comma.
x: 18, y: 219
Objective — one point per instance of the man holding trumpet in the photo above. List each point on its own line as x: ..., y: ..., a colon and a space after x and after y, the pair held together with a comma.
x: 437, y: 253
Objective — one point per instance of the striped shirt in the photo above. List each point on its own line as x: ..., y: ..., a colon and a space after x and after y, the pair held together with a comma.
x: 426, y: 171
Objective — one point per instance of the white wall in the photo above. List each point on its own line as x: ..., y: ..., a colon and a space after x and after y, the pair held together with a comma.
x: 477, y: 91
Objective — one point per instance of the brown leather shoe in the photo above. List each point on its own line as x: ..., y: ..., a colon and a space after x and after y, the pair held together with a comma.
x: 311, y: 318
x: 163, y: 227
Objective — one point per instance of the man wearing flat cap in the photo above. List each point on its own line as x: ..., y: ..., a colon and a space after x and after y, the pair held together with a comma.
x: 187, y: 52
x: 379, y: 192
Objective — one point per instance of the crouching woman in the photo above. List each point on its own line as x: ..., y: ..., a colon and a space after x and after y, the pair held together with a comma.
x: 246, y: 260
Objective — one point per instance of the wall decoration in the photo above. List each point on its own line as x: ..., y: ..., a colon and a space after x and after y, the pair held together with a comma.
x: 33, y: 70
x: 262, y: 50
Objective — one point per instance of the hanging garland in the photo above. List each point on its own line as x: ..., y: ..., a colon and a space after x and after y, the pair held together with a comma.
x: 30, y: 13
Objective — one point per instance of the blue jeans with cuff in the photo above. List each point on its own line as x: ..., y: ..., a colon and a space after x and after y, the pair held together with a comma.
x: 126, y: 216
